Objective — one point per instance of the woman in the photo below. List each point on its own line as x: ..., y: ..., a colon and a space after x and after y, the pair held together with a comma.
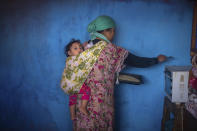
x: 101, y: 78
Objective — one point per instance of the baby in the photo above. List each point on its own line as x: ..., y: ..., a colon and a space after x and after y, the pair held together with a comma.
x: 74, y: 48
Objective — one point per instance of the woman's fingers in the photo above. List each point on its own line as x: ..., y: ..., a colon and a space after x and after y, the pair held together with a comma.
x: 161, y: 58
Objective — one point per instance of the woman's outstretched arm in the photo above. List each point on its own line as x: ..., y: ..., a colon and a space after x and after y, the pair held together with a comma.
x: 142, y: 62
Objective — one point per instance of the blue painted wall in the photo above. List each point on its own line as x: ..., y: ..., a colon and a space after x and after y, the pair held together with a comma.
x: 33, y: 35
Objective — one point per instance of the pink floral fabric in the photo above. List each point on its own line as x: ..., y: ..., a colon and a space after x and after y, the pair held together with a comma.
x: 101, y: 82
x: 85, y: 91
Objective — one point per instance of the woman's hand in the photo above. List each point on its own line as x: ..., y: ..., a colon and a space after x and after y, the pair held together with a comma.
x: 161, y: 58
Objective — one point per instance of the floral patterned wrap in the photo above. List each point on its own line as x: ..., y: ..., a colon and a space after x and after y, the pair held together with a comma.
x: 78, y: 68
x: 101, y: 82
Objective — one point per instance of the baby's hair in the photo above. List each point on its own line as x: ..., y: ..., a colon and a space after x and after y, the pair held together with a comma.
x: 68, y: 46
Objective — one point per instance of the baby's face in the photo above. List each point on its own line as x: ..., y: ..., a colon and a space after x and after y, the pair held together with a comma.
x: 75, y: 49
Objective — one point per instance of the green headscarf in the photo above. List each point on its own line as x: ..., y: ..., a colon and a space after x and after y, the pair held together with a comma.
x: 99, y: 24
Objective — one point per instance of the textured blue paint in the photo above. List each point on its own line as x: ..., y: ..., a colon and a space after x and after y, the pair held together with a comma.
x: 33, y: 35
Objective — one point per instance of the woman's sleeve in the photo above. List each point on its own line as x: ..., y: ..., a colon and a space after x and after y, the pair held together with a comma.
x: 119, y: 56
x: 140, y: 62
